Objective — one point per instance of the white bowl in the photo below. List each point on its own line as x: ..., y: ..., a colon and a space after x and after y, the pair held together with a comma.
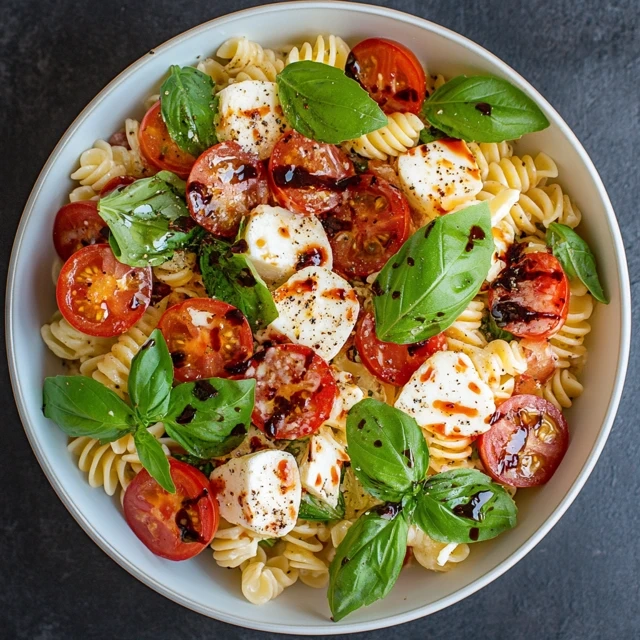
x: 199, y: 584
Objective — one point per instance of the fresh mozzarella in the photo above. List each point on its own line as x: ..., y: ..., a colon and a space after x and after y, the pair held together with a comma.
x: 316, y: 308
x: 260, y: 491
x: 280, y: 242
x: 320, y: 469
x: 439, y: 176
x: 348, y: 395
x: 249, y: 112
x: 447, y: 396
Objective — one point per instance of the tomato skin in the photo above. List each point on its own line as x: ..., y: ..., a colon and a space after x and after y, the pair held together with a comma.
x: 530, y: 297
x: 225, y: 184
x: 77, y: 225
x: 370, y: 226
x: 304, y: 175
x: 390, y: 73
x: 205, y: 351
x: 100, y: 296
x: 115, y: 183
x: 390, y: 362
x: 295, y: 390
x: 514, y: 440
x: 173, y: 526
x: 157, y: 147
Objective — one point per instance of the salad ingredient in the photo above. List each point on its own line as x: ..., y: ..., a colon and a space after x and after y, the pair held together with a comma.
x: 314, y: 509
x: 116, y: 183
x: 78, y: 225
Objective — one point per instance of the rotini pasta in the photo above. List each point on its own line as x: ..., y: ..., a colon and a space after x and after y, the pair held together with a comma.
x: 487, y: 152
x: 233, y: 545
x: 69, y: 343
x: 249, y: 58
x: 215, y: 71
x: 464, y: 334
x: 432, y: 555
x: 331, y: 50
x: 447, y: 453
x: 137, y: 166
x: 562, y: 388
x: 522, y: 173
x: 265, y: 579
x: 301, y: 546
x: 178, y: 271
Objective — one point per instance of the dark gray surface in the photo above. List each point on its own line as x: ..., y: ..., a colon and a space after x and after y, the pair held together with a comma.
x: 583, y: 580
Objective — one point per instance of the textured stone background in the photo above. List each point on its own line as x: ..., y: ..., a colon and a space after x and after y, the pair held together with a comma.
x: 583, y: 580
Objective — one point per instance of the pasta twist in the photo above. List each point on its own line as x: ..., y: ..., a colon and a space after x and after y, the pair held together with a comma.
x: 522, y: 173
x: 464, y: 334
x: 249, y: 58
x: 332, y: 50
x: 487, y: 152
x: 70, y: 344
x: 435, y: 556
x: 178, y: 271
x: 561, y: 389
x: 446, y: 454
x: 301, y: 546
x: 233, y: 545
x: 215, y: 71
x: 265, y: 579
x: 401, y: 133
x: 434, y: 82
x: 568, y: 342
x: 137, y: 165
x: 498, y: 363
x: 544, y: 205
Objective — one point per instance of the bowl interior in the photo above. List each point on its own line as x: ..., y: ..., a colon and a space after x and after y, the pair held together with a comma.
x: 199, y: 583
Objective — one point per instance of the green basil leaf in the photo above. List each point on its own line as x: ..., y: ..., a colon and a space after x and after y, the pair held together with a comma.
x: 576, y: 258
x: 151, y: 379
x: 148, y: 220
x: 205, y: 466
x: 82, y: 406
x: 321, y: 103
x: 268, y: 543
x: 368, y: 561
x: 429, y: 134
x: 387, y: 449
x: 231, y: 277
x: 437, y: 272
x: 483, y: 109
x: 464, y: 505
x: 312, y: 508
x: 153, y: 459
x: 188, y: 109
x: 209, y: 418
x: 492, y: 331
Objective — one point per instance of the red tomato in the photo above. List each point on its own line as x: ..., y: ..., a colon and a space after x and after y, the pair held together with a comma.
x: 114, y: 183
x: 225, y: 183
x: 100, y: 296
x: 295, y: 390
x: 175, y: 526
x: 157, y: 147
x: 369, y: 227
x: 390, y: 73
x: 530, y: 297
x: 304, y: 175
x: 541, y: 365
x: 205, y: 338
x: 526, y: 443
x: 390, y: 362
x: 77, y: 225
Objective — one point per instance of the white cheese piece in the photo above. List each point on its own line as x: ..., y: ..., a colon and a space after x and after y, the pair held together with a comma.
x: 317, y: 308
x: 280, y: 242
x: 439, y: 176
x: 260, y: 491
x: 447, y: 395
x: 249, y: 113
x: 348, y: 394
x: 321, y: 467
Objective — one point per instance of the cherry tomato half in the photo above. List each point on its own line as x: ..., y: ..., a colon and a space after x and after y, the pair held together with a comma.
x: 390, y: 362
x: 115, y: 183
x: 175, y: 526
x: 295, y: 390
x: 541, y: 365
x: 526, y: 442
x: 157, y: 147
x: 225, y: 183
x: 304, y: 175
x: 390, y: 73
x: 100, y: 296
x: 204, y: 337
x: 77, y: 225
x: 530, y: 297
x: 369, y: 227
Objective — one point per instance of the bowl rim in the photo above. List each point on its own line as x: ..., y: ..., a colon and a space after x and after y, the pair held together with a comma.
x: 547, y: 525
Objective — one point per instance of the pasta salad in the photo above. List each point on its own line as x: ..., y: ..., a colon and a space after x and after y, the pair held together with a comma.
x: 319, y: 316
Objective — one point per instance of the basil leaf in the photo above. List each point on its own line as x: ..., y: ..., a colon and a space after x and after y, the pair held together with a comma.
x: 576, y: 258
x: 312, y: 508
x: 148, y: 220
x: 82, y: 406
x: 492, y: 331
x: 268, y: 543
x: 188, y: 109
x: 464, y: 505
x: 232, y: 278
x: 209, y: 418
x: 153, y: 459
x: 151, y: 379
x: 437, y: 272
x: 429, y: 134
x: 321, y: 103
x: 483, y: 109
x: 387, y: 449
x: 368, y: 561
x: 205, y: 466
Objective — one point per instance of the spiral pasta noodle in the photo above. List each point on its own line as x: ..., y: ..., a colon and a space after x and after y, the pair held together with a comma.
x: 568, y: 342
x: 522, y: 173
x: 265, y: 579
x: 331, y: 50
x: 447, y: 453
x: 249, y: 58
x: 68, y: 343
x: 547, y: 204
x: 215, y: 71
x: 464, y: 334
x: 498, y: 363
x: 178, y: 271
x: 233, y: 545
x: 487, y: 152
x: 137, y: 165
x: 435, y: 556
x: 301, y: 546
x: 562, y: 389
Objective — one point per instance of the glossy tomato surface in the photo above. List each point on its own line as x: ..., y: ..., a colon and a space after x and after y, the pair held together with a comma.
x: 116, y: 183
x: 370, y: 226
x: 295, y: 390
x: 305, y: 175
x: 100, y: 296
x: 175, y: 526
x: 78, y: 225
x: 526, y: 442
x: 225, y: 184
x: 390, y: 73
x: 205, y: 338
